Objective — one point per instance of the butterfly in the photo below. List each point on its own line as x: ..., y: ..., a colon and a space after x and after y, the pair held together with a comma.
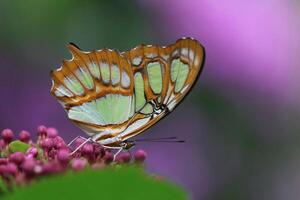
x: 113, y: 96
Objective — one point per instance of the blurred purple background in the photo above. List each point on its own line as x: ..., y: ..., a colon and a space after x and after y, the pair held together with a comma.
x: 240, y: 122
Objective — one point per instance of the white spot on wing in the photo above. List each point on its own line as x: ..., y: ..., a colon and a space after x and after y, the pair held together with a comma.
x: 137, y: 60
x: 125, y: 79
x: 105, y: 69
x: 165, y: 57
x: 115, y: 74
x: 175, y: 53
x: 151, y: 55
x: 184, y: 52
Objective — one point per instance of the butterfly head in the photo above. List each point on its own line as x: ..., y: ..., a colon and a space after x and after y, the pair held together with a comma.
x: 127, y: 145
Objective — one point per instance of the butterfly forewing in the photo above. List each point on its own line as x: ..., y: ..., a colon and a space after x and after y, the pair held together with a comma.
x: 114, y: 96
x: 168, y: 72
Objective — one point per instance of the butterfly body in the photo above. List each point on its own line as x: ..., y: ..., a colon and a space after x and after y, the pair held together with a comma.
x: 114, y: 96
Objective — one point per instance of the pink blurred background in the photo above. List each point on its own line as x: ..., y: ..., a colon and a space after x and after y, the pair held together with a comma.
x: 240, y: 121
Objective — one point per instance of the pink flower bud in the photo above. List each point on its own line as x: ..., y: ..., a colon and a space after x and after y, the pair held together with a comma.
x: 11, y: 168
x: 7, y: 135
x: 123, y: 157
x: 52, y: 132
x: 63, y: 156
x: 87, y: 149
x: 47, y: 143
x: 42, y: 131
x: 28, y: 166
x: 140, y: 156
x: 78, y: 141
x: 17, y: 158
x: 24, y: 136
x: 3, y: 161
x: 32, y: 151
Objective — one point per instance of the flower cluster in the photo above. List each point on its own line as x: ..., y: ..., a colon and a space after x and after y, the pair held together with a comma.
x: 23, y: 160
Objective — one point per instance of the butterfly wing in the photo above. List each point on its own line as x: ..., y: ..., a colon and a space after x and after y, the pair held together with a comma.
x: 162, y: 77
x: 95, y: 88
x: 168, y: 72
x: 114, y: 96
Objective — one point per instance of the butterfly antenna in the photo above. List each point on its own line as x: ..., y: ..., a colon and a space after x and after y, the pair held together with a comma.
x: 154, y: 139
x: 164, y: 139
x: 167, y: 141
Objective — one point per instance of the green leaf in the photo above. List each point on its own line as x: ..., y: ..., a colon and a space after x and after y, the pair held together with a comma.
x: 111, y: 183
x: 18, y: 146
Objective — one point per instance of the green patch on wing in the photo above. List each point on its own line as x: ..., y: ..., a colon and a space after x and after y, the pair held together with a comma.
x: 74, y: 85
x: 115, y: 74
x: 85, y: 77
x: 148, y: 109
x: 110, y: 109
x: 94, y: 69
x: 105, y: 72
x: 155, y: 77
x: 62, y: 91
x: 179, y: 73
x: 139, y: 91
x: 175, y: 65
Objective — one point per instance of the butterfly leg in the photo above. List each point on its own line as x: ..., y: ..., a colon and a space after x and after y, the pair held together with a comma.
x: 81, y: 145
x: 70, y: 143
x: 130, y: 154
x: 117, y: 153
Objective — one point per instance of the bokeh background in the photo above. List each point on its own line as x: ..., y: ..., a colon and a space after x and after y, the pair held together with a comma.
x: 240, y: 121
